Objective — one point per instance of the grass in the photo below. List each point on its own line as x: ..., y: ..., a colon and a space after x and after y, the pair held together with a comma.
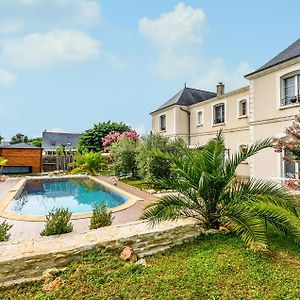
x: 140, y: 184
x: 214, y: 267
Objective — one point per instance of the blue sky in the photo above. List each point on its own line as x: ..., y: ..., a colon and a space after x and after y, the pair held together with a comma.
x: 66, y: 64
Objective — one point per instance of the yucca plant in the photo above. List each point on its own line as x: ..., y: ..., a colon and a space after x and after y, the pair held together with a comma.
x: 210, y: 192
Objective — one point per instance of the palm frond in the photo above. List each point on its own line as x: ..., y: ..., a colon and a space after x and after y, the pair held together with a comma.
x: 170, y: 208
x: 238, y: 158
x: 279, y: 216
x: 249, y: 227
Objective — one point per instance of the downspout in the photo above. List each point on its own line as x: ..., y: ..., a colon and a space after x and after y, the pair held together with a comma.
x: 189, y: 124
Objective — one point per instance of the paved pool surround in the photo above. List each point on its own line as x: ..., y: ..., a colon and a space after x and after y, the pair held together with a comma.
x: 132, y: 199
x: 27, y: 260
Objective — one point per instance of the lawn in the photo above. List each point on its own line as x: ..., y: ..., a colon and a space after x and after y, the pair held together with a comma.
x: 215, y: 267
x: 140, y: 184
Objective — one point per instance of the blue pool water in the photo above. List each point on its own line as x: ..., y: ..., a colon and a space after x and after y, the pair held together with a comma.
x: 79, y: 195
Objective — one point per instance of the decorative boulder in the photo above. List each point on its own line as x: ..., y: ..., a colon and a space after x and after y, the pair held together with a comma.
x: 128, y: 254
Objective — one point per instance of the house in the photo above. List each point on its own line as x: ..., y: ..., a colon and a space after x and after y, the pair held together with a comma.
x: 260, y: 110
x: 21, y: 158
x: 53, y: 140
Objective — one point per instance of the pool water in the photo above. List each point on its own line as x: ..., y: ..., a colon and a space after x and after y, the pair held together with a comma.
x: 79, y: 195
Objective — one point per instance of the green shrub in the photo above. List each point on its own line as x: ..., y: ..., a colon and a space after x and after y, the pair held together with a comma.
x: 4, y: 228
x: 101, y: 217
x: 89, y: 162
x: 150, y: 164
x: 58, y: 222
x: 124, y: 154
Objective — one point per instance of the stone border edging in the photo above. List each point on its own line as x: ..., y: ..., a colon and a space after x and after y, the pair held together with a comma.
x: 131, y: 199
x: 27, y: 260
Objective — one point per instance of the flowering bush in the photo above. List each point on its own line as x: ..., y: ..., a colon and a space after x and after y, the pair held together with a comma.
x: 293, y: 184
x: 291, y: 142
x: 115, y: 136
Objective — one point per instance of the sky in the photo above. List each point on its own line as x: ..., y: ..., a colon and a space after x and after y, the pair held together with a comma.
x: 67, y: 64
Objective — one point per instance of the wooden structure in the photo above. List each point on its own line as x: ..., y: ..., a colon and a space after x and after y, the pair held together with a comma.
x: 21, y: 158
x: 52, y: 163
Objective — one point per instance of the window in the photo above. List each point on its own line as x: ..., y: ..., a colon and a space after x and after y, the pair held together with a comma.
x: 219, y: 113
x: 162, y: 123
x: 242, y: 149
x: 291, y: 90
x: 243, y: 108
x: 200, y: 117
x: 289, y: 165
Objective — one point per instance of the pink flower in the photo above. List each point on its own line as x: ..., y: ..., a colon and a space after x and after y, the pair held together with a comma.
x: 115, y: 136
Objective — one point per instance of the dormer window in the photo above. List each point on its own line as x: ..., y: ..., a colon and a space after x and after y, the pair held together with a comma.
x: 291, y: 90
x: 162, y: 122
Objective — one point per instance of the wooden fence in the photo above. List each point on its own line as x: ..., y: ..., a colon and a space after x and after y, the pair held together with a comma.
x: 56, y: 162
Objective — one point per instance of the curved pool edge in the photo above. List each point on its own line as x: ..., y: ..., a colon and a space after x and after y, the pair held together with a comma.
x: 132, y: 199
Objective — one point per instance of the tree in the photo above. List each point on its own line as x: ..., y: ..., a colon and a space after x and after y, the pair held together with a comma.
x: 1, y: 139
x: 152, y: 165
x: 124, y: 156
x: 92, y: 139
x: 19, y: 138
x: 89, y: 162
x: 210, y: 193
x: 35, y: 141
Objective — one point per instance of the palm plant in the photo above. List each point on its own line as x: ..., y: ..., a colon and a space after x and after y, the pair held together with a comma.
x: 89, y: 162
x: 209, y: 192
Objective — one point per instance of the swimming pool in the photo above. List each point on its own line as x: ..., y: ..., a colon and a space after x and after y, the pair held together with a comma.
x: 38, y: 196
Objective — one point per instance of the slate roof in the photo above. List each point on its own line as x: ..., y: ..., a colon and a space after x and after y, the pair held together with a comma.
x: 52, y: 140
x: 188, y: 96
x: 19, y: 146
x: 289, y: 53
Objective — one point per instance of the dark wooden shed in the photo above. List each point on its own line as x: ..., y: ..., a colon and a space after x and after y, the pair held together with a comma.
x: 21, y: 158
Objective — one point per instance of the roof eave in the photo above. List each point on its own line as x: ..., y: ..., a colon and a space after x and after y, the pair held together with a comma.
x: 269, y: 69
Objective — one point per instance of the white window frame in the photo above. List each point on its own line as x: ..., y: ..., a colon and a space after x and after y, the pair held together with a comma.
x: 213, y: 114
x: 282, y: 154
x: 239, y: 101
x: 239, y: 149
x: 159, y: 123
x: 280, y: 77
x: 197, y: 119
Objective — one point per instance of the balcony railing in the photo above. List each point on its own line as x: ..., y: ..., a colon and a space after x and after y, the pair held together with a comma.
x: 287, y: 100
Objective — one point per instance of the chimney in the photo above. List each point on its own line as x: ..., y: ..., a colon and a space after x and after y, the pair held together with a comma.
x: 220, y: 89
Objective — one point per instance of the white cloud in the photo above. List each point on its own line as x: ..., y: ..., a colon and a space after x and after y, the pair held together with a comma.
x: 218, y: 71
x: 6, y: 77
x: 17, y: 15
x: 178, y: 38
x: 43, y: 50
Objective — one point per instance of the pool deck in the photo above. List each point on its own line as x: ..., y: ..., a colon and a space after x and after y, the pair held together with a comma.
x: 23, y: 230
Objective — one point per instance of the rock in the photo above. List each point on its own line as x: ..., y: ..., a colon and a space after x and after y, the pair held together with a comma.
x: 48, y: 274
x: 142, y: 262
x: 52, y: 285
x: 2, y: 178
x: 211, y: 231
x: 151, y: 191
x: 128, y: 254
x: 223, y: 229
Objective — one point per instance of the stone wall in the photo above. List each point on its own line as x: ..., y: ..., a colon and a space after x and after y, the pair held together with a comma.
x: 27, y: 260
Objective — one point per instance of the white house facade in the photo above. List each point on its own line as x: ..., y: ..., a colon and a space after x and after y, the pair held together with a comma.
x: 260, y: 110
